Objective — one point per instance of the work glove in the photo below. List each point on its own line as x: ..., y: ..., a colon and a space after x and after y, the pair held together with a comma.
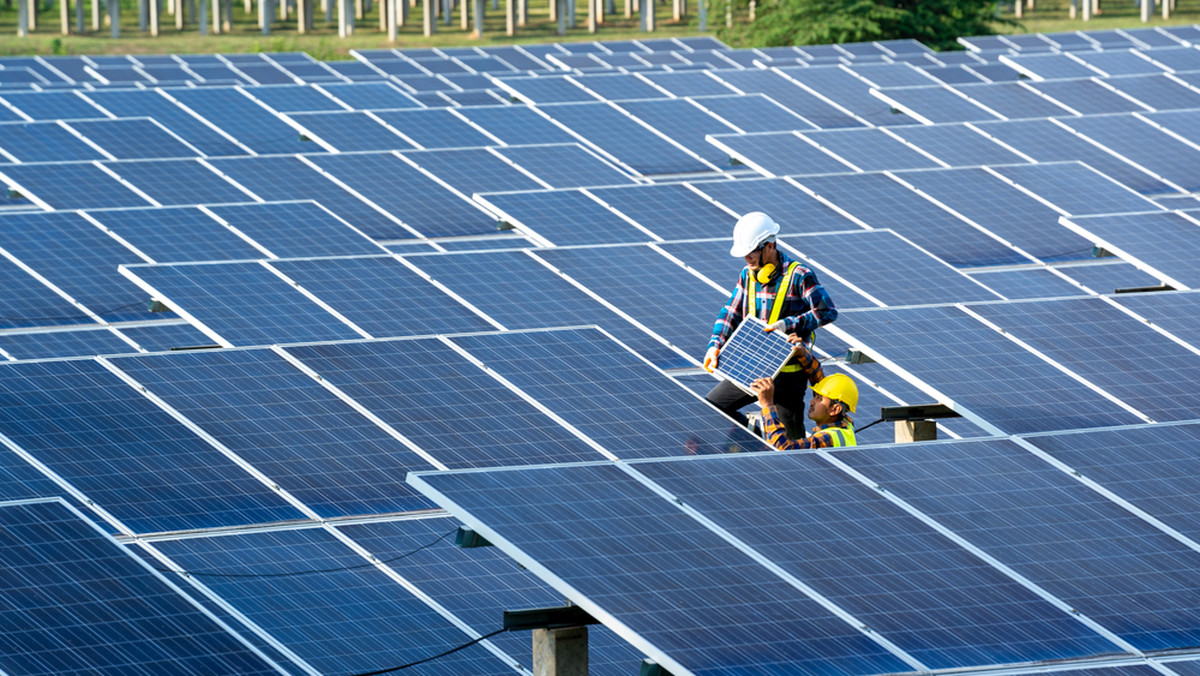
x: 777, y: 326
x: 710, y: 359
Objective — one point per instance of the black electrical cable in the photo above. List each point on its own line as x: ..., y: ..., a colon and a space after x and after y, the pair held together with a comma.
x: 430, y: 659
x: 859, y: 429
x: 61, y: 317
x: 306, y: 572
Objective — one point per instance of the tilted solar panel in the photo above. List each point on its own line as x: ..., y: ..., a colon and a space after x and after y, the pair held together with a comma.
x: 752, y: 353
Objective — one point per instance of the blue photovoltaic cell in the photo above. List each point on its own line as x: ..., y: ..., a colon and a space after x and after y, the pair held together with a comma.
x: 791, y: 207
x: 888, y: 268
x: 784, y: 91
x: 295, y: 229
x: 615, y: 274
x: 1003, y: 210
x: 1077, y: 188
x: 1045, y: 141
x: 542, y: 90
x: 780, y: 154
x: 244, y: 303
x: 370, y: 96
x: 379, y: 295
x: 288, y: 178
x: 869, y: 149
x: 1012, y: 100
x: 167, y: 335
x: 669, y: 211
x: 1109, y: 275
x: 403, y: 191
x: 881, y: 202
x: 28, y: 302
x: 1087, y: 97
x: 612, y: 396
x: 77, y: 602
x: 484, y: 97
x: 564, y: 217
x: 957, y: 145
x: 78, y: 258
x: 1163, y: 241
x: 891, y: 571
x: 1107, y: 563
x: 1097, y: 341
x: 1157, y: 91
x: 752, y: 113
x: 1149, y: 147
x: 935, y: 105
x: 616, y: 133
x: 53, y: 105
x: 618, y: 86
x: 294, y: 98
x: 981, y: 370
x: 687, y: 83
x: 472, y: 170
x: 43, y: 142
x: 890, y: 74
x: 954, y: 74
x: 133, y: 139
x: 1184, y: 123
x: 340, y: 622
x: 477, y: 584
x: 1152, y: 467
x: 443, y: 403
x: 1178, y: 313
x: 1050, y: 66
x: 45, y: 345
x: 125, y: 453
x: 1024, y: 283
x: 565, y: 165
x: 349, y: 131
x: 152, y: 104
x: 517, y: 125
x: 499, y: 283
x: 242, y: 119
x: 178, y: 181
x: 678, y: 588
x: 287, y: 426
x: 846, y: 90
x: 58, y: 185
x: 176, y: 234
x: 434, y: 128
x: 263, y: 73
x: 752, y: 353
x: 683, y: 122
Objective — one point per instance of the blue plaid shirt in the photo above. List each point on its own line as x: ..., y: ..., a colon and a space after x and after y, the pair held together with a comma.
x: 806, y: 305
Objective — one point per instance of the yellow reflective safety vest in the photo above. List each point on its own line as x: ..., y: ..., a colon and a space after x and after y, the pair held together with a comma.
x: 785, y: 283
x: 841, y: 436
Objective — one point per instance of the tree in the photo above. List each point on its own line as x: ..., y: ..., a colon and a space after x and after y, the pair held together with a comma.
x: 936, y: 23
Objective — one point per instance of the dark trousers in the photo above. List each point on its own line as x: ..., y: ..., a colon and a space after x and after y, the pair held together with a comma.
x: 790, y: 388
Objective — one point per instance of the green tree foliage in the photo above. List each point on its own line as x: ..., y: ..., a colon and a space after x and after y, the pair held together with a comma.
x: 936, y: 23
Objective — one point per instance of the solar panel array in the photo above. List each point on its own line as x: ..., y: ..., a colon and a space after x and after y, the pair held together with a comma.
x: 250, y: 294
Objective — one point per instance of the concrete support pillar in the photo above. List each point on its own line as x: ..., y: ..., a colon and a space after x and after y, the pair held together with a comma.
x: 393, y: 18
x: 23, y: 18
x: 114, y: 17
x: 570, y: 5
x: 560, y: 652
x: 427, y: 12
x: 202, y: 16
x: 1147, y: 10
x: 65, y: 16
x: 510, y: 17
x: 593, y: 6
x: 1019, y: 9
x: 31, y: 19
x: 915, y: 430
x: 480, y: 10
x: 561, y: 10
x: 1166, y: 9
x: 79, y: 20
x: 702, y: 8
x: 648, y: 16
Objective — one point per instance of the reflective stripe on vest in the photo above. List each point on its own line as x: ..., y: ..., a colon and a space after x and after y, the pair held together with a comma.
x: 842, y: 436
x: 777, y: 307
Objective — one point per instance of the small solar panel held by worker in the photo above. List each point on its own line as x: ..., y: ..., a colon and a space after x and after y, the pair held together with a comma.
x: 753, y: 352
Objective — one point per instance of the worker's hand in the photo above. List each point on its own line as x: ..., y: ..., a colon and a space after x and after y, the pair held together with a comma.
x: 795, y: 340
x: 777, y: 326
x: 710, y: 359
x: 765, y: 389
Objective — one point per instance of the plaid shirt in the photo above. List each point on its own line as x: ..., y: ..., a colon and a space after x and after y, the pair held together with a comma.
x: 806, y: 305
x: 821, y: 437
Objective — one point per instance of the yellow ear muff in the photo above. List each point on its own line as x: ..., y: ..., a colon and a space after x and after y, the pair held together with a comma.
x: 765, y: 273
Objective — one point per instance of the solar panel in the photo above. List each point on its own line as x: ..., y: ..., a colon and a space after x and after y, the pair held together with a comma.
x: 293, y: 229
x: 616, y: 87
x: 178, y: 181
x: 289, y: 178
x: 370, y: 96
x: 1149, y: 147
x: 310, y: 615
x: 670, y: 211
x: 472, y: 170
x: 424, y: 205
x: 1114, y: 62
x: 1022, y: 283
x: 1178, y: 122
x: 294, y: 98
x: 561, y: 217
x: 847, y: 91
x: 752, y: 113
x: 349, y: 131
x: 43, y: 142
x: 1178, y: 59
x: 752, y: 353
x: 869, y: 149
x: 683, y: 122
x: 415, y: 386
x: 1160, y: 243
x: 1106, y: 276
x: 287, y: 426
x: 56, y: 186
x: 49, y: 344
x: 131, y: 139
x: 1087, y: 97
x: 1076, y: 188
x: 152, y: 104
x: 175, y: 234
x: 125, y: 454
x: 29, y: 302
x: 118, y: 616
x: 516, y: 125
x: 564, y: 165
x: 935, y: 105
x: 619, y: 135
x: 957, y: 145
x: 880, y: 202
x: 697, y: 577
x: 1002, y: 209
x: 1049, y: 528
x: 686, y: 83
x: 779, y: 154
x: 166, y: 335
x: 816, y: 110
x: 1055, y: 66
x: 541, y: 90
x: 794, y: 209
x: 50, y: 105
x: 243, y: 303
x: 434, y: 129
x: 241, y: 118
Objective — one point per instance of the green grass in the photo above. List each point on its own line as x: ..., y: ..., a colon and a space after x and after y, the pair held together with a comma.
x: 323, y: 42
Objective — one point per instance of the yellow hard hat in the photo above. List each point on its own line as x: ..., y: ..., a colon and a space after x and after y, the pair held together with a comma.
x: 838, y: 386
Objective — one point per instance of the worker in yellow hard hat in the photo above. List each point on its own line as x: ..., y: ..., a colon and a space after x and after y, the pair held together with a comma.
x: 834, y: 398
x: 788, y: 298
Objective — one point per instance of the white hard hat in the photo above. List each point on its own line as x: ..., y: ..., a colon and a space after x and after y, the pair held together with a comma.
x: 751, y: 231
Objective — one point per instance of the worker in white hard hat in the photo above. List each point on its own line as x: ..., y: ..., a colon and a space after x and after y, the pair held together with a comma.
x: 834, y: 398
x: 784, y: 294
